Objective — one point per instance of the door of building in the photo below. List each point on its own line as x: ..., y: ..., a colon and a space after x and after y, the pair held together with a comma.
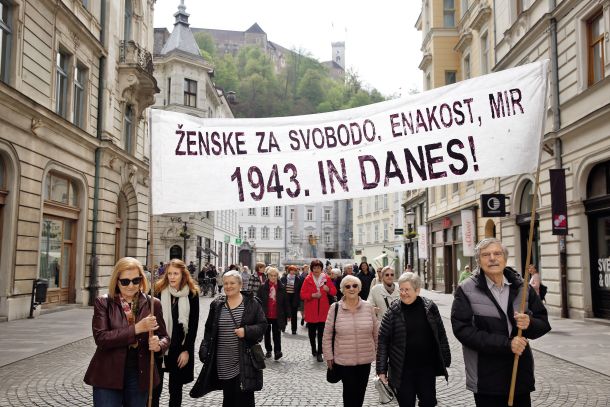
x: 449, y: 269
x: 599, y: 227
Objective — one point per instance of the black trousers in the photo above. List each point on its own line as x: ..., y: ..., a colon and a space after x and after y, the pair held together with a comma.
x: 273, y: 327
x: 417, y: 382
x: 355, y: 379
x: 487, y: 400
x: 232, y: 396
x: 175, y: 390
x: 293, y: 312
x: 312, y: 330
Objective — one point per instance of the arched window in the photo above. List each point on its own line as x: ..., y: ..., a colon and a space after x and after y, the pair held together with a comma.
x: 128, y: 20
x: 129, y: 129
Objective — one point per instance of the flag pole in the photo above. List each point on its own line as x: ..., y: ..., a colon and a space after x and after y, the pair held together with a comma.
x: 150, y: 262
x: 528, y: 259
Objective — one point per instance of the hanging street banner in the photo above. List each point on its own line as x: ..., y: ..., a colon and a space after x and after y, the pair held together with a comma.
x: 485, y: 127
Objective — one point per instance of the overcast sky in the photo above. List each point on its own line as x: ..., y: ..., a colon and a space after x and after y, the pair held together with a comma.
x: 381, y: 43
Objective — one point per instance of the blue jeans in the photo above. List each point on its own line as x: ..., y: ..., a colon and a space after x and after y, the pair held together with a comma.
x: 130, y: 396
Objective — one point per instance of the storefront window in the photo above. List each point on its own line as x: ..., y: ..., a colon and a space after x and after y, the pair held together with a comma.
x: 439, y: 269
x: 54, y: 259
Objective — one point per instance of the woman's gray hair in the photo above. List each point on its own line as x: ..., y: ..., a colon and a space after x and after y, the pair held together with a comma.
x: 336, y: 272
x: 347, y: 279
x: 484, y: 244
x: 411, y: 278
x: 233, y: 273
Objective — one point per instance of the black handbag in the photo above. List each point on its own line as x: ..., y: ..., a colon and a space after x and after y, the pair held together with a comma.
x: 255, y: 352
x: 333, y: 375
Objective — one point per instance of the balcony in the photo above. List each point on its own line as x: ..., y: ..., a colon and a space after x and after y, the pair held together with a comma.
x: 137, y: 85
x: 482, y: 13
x: 464, y: 41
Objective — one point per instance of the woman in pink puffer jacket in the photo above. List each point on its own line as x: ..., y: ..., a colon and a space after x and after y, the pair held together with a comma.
x: 356, y: 329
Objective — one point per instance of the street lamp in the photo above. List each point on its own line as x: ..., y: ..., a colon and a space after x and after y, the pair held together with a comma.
x: 185, y: 236
x: 410, y: 217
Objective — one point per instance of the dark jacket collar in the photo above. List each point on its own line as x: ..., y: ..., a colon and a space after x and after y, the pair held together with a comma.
x: 511, y: 275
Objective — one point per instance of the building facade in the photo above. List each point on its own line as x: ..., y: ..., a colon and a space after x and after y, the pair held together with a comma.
x: 375, y: 220
x: 573, y: 35
x: 186, y: 85
x: 264, y: 230
x: 76, y: 78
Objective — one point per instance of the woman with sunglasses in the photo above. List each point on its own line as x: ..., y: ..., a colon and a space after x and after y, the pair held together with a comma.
x: 120, y: 368
x: 413, y: 345
x: 382, y: 295
x: 179, y: 297
x: 356, y: 329
x: 315, y: 292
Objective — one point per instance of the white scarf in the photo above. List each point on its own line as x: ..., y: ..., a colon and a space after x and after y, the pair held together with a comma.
x: 319, y: 281
x: 184, y: 308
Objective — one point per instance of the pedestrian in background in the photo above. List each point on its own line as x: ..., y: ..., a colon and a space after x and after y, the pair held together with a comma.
x: 382, y: 295
x: 356, y: 330
x: 275, y: 306
x: 413, y: 348
x: 536, y: 282
x: 234, y: 324
x: 485, y: 317
x: 257, y: 278
x: 315, y: 294
x: 335, y: 275
x: 179, y: 297
x: 290, y: 281
x: 245, y: 275
x: 366, y: 276
x: 304, y: 273
x: 348, y: 270
x: 191, y: 268
x: 212, y: 275
x: 119, y: 370
x: 464, y: 274
x: 219, y: 280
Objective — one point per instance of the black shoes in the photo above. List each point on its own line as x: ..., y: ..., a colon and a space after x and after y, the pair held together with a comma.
x: 294, y: 332
x: 278, y: 355
x: 319, y: 356
x: 314, y: 353
x: 268, y: 354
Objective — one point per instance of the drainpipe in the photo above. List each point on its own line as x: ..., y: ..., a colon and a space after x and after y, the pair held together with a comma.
x: 94, y: 265
x: 556, y: 108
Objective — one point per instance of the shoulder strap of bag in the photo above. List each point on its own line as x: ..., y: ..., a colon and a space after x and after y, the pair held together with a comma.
x: 334, y: 323
x: 231, y: 313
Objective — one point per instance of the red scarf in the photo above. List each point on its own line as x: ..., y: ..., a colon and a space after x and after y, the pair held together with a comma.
x: 272, y: 302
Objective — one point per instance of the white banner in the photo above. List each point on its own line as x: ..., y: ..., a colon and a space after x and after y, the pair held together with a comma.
x: 484, y: 127
x: 422, y: 242
x: 468, y: 232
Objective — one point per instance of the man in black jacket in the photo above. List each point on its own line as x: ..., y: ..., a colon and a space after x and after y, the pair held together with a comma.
x: 485, y: 318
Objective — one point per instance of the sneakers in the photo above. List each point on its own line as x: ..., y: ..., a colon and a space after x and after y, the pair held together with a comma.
x: 319, y: 357
x: 268, y: 354
x: 278, y: 355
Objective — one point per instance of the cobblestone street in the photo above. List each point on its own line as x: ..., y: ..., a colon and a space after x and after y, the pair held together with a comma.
x: 55, y: 378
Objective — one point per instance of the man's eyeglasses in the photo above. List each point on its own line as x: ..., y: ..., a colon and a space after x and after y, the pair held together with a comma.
x: 125, y: 281
x: 350, y: 286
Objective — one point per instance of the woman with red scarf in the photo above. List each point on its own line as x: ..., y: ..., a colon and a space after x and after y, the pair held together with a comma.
x: 275, y: 305
x: 315, y: 293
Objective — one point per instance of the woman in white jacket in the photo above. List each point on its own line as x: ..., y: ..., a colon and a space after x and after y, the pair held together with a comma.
x: 382, y: 295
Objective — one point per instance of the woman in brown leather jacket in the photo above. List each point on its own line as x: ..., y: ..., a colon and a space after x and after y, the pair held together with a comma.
x: 119, y: 370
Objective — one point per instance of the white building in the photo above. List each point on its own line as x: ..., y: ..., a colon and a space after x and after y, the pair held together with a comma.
x: 264, y: 230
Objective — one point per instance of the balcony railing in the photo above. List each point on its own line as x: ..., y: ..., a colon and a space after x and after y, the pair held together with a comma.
x: 131, y: 53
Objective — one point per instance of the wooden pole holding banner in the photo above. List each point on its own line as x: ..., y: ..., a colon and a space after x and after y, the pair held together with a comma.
x: 151, y: 265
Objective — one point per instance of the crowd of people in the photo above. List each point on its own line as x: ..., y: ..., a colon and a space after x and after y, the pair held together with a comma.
x: 355, y: 317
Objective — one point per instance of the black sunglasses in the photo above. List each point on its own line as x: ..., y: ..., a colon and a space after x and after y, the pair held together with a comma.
x: 349, y: 287
x: 125, y: 281
x: 389, y: 275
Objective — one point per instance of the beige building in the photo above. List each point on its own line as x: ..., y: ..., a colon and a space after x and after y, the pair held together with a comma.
x: 457, y: 38
x: 76, y: 78
x: 375, y: 219
x: 574, y: 36
x: 186, y: 83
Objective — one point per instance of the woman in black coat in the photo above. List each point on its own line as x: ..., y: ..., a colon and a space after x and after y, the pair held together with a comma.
x: 412, y: 348
x: 275, y: 306
x: 179, y: 297
x: 235, y: 323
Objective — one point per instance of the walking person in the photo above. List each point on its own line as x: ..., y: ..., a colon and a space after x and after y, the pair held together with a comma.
x: 219, y: 280
x: 257, y: 278
x: 413, y: 348
x: 119, y: 370
x: 179, y: 297
x: 212, y: 274
x: 302, y: 275
x: 290, y: 281
x: 366, y: 276
x: 464, y: 274
x: 275, y: 306
x: 235, y: 323
x: 314, y: 293
x: 356, y: 331
x: 536, y: 282
x: 382, y: 295
x: 488, y: 330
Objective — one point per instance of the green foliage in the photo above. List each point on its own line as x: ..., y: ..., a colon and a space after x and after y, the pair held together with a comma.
x: 302, y: 86
x: 206, y: 44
